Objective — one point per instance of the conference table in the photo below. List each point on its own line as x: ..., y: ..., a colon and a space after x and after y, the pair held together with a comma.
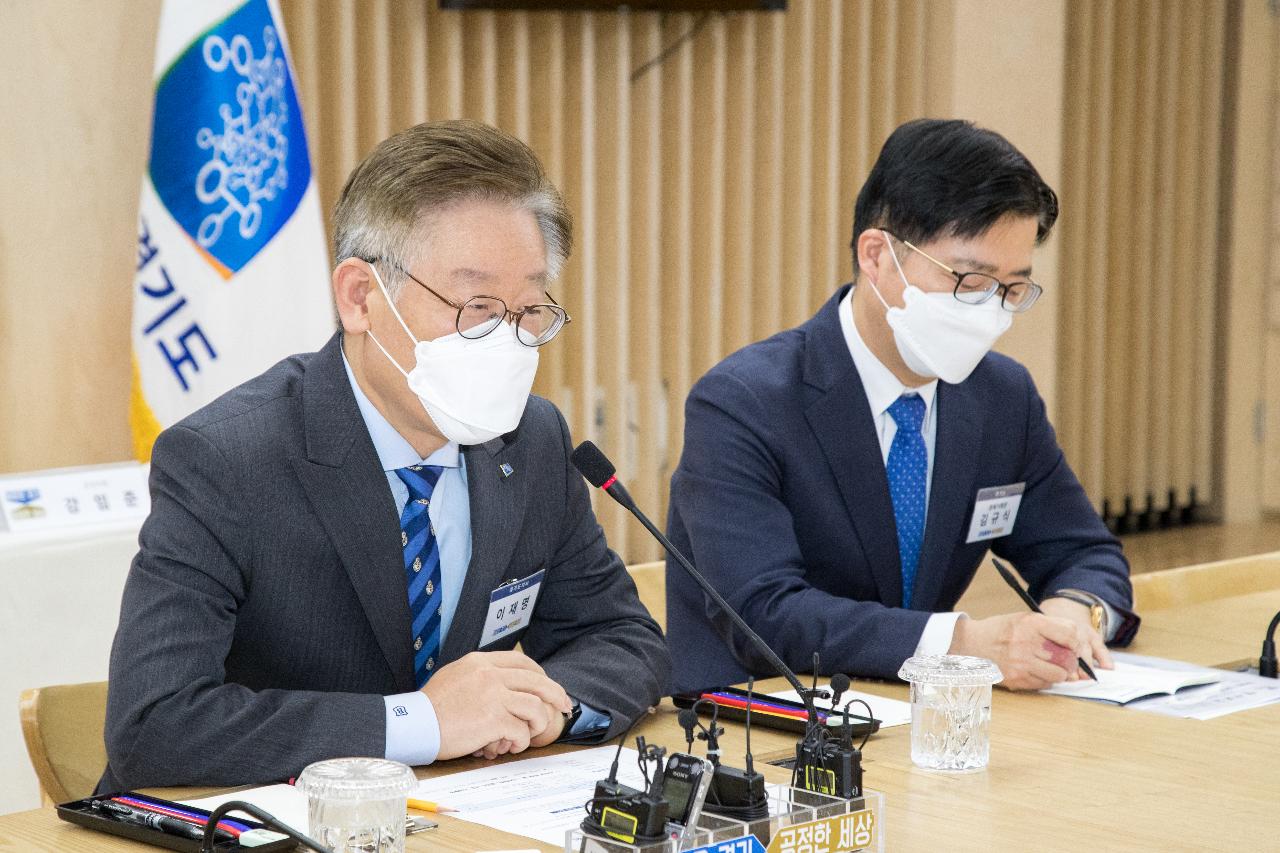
x: 1065, y: 774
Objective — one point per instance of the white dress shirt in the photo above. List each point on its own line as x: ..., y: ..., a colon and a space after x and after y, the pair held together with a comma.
x: 883, y: 389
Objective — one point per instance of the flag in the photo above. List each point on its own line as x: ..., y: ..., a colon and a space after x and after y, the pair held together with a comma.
x: 232, y: 267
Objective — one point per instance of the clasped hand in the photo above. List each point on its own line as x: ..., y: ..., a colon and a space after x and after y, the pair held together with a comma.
x: 492, y: 703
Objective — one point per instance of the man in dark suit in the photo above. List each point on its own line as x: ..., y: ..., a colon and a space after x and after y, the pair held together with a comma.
x: 343, y: 553
x: 834, y: 480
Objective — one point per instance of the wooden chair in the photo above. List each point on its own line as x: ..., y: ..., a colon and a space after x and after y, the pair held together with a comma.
x: 1193, y: 584
x: 63, y: 726
x: 651, y: 583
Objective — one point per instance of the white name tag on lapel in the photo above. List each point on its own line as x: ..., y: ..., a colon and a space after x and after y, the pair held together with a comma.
x: 510, y: 607
x: 994, y: 512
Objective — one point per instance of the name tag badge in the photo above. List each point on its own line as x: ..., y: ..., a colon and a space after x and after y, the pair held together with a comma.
x: 510, y: 607
x: 994, y: 512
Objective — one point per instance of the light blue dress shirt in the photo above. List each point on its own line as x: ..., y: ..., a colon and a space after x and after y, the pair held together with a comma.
x: 413, y: 730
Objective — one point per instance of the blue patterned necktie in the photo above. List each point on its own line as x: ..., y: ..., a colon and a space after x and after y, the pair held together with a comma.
x: 421, y: 567
x: 908, y: 468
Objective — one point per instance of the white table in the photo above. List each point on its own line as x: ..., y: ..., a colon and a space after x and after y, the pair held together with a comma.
x: 58, y: 615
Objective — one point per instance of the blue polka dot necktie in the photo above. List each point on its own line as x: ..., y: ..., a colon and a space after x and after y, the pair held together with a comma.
x: 908, y: 468
x: 421, y: 567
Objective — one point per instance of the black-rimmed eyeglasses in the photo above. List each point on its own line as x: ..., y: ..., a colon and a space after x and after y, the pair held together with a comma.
x: 975, y: 288
x: 534, y: 325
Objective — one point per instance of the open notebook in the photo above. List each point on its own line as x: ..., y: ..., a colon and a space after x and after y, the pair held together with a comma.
x: 1128, y: 682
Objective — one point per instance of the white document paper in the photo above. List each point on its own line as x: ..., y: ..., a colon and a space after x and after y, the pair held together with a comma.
x: 540, y: 798
x: 1130, y: 681
x: 284, y: 802
x: 890, y: 712
x: 1235, y: 691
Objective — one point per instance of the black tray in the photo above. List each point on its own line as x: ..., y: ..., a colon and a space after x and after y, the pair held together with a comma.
x: 862, y: 726
x: 83, y: 813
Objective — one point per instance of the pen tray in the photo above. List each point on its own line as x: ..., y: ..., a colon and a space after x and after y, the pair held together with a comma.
x: 83, y: 813
x: 862, y: 727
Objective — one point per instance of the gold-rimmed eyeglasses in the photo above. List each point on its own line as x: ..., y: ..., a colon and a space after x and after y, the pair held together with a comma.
x: 975, y: 288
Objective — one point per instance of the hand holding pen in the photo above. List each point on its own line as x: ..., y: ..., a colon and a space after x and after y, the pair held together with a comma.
x: 1012, y: 581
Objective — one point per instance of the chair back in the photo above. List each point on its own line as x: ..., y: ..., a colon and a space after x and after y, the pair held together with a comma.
x: 63, y: 725
x: 1170, y: 588
x: 651, y: 584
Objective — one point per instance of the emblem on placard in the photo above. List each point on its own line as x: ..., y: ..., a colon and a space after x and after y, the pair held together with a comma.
x: 26, y: 501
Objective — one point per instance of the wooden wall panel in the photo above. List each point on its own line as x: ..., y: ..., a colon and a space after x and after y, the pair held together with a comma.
x: 1141, y: 185
x: 685, y: 254
x: 712, y: 195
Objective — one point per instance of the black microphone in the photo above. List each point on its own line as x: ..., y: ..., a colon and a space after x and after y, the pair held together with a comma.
x: 599, y: 472
x: 688, y: 719
x: 839, y: 684
x: 1267, y: 663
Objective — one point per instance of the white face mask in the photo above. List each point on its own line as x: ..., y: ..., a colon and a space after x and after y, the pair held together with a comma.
x: 937, y: 335
x: 474, y: 390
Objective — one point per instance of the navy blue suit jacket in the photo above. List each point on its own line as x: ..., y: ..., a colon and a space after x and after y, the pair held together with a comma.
x: 781, y: 499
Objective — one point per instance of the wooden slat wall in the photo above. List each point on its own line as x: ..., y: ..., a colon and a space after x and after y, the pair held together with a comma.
x: 1141, y: 179
x: 713, y: 196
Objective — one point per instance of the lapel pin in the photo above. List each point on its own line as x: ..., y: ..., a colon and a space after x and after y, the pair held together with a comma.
x: 506, y: 469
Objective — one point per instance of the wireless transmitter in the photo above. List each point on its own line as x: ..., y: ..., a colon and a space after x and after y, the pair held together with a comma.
x: 735, y: 793
x: 625, y: 813
x: 827, y: 762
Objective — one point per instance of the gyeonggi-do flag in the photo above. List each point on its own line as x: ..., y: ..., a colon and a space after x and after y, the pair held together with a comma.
x: 232, y: 267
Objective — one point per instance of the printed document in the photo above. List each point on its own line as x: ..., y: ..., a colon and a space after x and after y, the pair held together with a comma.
x: 1235, y: 691
x: 1130, y: 681
x: 539, y: 798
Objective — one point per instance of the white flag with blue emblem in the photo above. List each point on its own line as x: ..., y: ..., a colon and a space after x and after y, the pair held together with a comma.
x: 233, y: 270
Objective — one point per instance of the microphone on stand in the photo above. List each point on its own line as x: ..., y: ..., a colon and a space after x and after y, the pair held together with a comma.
x: 821, y: 766
x: 599, y: 472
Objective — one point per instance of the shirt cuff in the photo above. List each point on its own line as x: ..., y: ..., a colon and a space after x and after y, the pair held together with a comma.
x: 938, y: 634
x: 589, y: 722
x: 413, y: 731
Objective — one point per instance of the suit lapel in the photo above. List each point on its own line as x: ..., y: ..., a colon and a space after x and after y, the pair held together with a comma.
x: 842, y: 423
x: 497, y: 511
x: 955, y: 471
x: 348, y: 490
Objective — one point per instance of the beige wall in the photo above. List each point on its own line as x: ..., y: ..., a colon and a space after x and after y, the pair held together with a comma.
x: 1017, y: 88
x: 1245, y: 265
x: 722, y: 183
x: 77, y: 113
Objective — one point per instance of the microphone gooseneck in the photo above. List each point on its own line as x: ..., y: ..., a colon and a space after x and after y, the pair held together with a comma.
x: 599, y: 472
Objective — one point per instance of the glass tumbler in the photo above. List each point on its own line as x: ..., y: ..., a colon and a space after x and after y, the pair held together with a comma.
x: 950, y: 710
x: 357, y: 805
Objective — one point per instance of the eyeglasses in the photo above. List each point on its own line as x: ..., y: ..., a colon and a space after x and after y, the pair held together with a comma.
x: 975, y: 288
x: 534, y: 326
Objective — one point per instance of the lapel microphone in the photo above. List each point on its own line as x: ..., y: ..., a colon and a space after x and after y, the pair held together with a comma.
x: 820, y: 765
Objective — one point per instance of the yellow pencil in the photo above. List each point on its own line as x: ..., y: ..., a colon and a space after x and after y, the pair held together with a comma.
x: 428, y: 806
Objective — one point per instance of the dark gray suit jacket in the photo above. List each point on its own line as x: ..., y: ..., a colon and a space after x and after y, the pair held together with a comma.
x: 266, y: 616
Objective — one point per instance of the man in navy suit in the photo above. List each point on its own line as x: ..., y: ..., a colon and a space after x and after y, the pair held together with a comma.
x: 842, y: 481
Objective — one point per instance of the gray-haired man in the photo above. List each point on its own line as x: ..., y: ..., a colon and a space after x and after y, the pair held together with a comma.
x: 343, y: 553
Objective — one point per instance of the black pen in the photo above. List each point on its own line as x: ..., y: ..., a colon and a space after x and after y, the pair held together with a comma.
x: 160, y: 822
x: 1031, y: 602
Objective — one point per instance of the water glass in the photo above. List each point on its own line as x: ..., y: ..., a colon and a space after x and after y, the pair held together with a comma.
x: 950, y: 710
x: 357, y: 805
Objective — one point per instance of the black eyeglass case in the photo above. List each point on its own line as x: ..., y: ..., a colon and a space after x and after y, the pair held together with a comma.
x: 83, y: 813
